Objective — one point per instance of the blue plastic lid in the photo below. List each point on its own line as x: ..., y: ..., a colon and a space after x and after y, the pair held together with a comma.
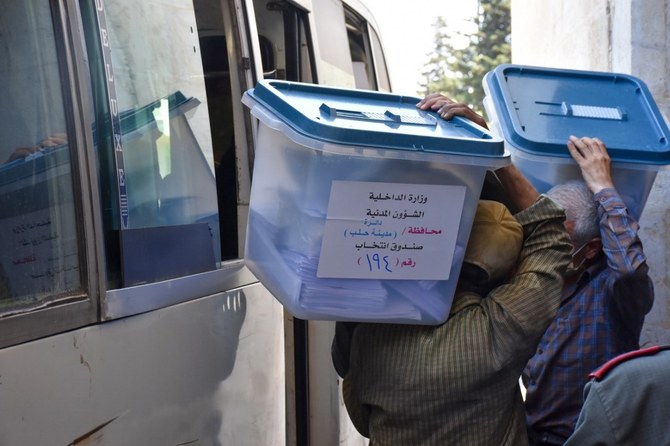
x: 371, y: 119
x: 539, y: 108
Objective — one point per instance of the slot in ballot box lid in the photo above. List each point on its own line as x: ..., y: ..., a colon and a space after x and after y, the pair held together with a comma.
x: 361, y: 204
x: 536, y: 109
x: 368, y: 118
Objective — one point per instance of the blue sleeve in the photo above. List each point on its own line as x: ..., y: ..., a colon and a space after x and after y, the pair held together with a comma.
x: 631, y: 291
x: 619, y: 233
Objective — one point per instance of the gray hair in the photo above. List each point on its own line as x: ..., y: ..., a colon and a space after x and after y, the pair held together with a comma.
x: 580, y: 207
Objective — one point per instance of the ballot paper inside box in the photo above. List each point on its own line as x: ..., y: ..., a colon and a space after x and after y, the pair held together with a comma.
x: 361, y: 204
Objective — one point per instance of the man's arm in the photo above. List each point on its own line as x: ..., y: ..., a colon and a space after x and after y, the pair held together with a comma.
x: 520, y: 311
x: 519, y: 190
x: 632, y: 292
x: 530, y: 300
x: 532, y: 296
x: 618, y: 229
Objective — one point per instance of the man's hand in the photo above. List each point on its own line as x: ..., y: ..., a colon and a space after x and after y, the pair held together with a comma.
x: 21, y: 152
x: 594, y: 161
x: 447, y: 108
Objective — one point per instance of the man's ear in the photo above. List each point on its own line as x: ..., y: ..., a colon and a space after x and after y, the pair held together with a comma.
x: 593, y: 248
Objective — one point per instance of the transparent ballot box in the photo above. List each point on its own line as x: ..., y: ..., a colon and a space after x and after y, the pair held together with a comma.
x: 361, y: 204
x: 536, y: 110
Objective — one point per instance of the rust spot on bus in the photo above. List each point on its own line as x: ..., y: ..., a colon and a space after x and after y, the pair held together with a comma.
x: 94, y: 436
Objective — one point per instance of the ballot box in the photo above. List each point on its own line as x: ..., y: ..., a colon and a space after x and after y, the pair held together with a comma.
x: 536, y: 110
x: 361, y: 204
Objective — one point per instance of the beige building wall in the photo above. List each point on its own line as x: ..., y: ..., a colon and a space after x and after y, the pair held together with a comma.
x: 624, y: 36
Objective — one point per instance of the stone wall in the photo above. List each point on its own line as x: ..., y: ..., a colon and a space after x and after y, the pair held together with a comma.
x: 624, y: 36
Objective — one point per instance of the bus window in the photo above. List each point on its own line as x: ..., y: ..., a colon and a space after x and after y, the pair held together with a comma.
x: 383, y: 81
x: 286, y: 46
x: 302, y: 54
x: 40, y: 255
x: 168, y: 220
x: 219, y: 100
x: 267, y: 57
x: 361, y: 53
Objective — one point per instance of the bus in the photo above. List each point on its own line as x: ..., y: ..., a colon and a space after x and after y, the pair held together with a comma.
x: 127, y: 315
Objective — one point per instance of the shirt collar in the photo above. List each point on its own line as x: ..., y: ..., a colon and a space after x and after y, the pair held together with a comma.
x: 583, y: 278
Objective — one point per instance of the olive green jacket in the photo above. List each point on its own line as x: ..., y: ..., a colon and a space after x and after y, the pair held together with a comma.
x: 458, y: 383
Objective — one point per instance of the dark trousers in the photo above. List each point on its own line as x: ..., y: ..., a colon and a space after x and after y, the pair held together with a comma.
x: 540, y: 438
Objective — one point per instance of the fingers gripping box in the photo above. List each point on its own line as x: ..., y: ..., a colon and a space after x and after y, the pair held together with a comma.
x: 361, y: 204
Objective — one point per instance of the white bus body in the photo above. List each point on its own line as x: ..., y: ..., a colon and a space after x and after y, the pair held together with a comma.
x: 127, y: 316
